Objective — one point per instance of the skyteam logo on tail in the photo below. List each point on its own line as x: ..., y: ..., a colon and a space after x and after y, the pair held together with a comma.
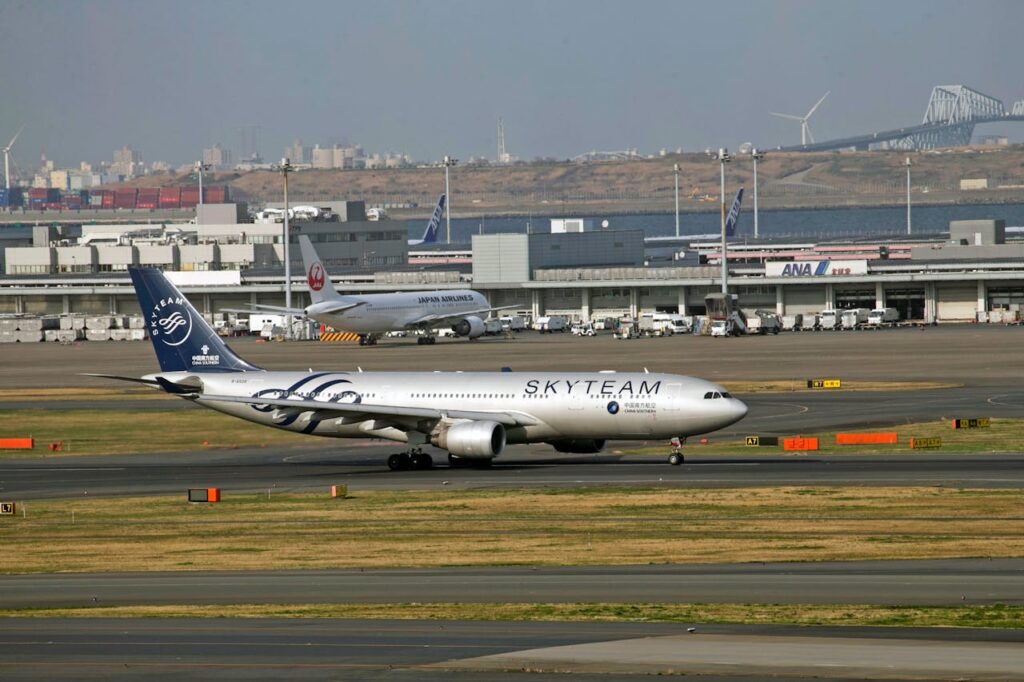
x: 170, y: 321
x: 316, y: 276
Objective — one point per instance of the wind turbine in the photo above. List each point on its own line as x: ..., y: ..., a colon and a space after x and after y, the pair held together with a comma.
x: 805, y: 130
x: 7, y: 162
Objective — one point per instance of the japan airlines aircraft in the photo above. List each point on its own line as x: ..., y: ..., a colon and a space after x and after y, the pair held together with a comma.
x: 471, y: 415
x: 370, y: 315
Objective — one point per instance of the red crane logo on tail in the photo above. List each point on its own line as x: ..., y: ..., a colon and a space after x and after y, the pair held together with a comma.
x: 316, y: 276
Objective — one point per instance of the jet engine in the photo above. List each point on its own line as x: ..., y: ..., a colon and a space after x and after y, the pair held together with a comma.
x: 471, y: 326
x: 472, y: 439
x: 581, y: 446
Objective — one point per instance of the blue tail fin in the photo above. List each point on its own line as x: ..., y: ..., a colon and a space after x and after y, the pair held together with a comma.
x: 182, y: 339
x: 734, y: 215
x: 430, y: 234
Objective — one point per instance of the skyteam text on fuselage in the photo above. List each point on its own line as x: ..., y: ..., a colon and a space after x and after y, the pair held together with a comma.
x: 471, y: 415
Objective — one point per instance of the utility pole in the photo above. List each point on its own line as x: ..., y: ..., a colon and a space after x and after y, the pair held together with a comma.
x: 200, y: 166
x: 757, y: 155
x: 675, y: 168
x: 723, y: 158
x: 908, y: 195
x: 286, y: 167
x: 448, y: 163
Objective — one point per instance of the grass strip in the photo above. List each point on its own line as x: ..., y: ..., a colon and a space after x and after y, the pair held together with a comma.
x: 1004, y: 435
x: 988, y: 616
x: 185, y: 428
x: 559, y: 526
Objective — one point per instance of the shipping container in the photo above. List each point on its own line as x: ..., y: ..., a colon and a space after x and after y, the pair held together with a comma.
x: 170, y: 197
x: 108, y: 200
x: 3, y: 197
x: 215, y: 195
x: 124, y: 197
x: 53, y: 205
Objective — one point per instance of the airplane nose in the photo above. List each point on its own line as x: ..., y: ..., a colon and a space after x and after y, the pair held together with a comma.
x: 738, y: 410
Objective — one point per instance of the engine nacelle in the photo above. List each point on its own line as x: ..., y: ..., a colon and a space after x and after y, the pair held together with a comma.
x: 471, y: 326
x: 581, y: 446
x: 476, y: 439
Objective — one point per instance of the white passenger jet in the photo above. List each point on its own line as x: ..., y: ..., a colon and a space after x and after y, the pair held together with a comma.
x: 371, y: 315
x: 471, y: 415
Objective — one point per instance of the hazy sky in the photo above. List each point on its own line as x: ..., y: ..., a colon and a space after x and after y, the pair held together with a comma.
x: 432, y: 77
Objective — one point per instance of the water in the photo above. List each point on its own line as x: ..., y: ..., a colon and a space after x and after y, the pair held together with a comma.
x: 826, y: 223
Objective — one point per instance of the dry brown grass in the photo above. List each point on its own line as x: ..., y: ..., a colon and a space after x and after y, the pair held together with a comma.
x: 993, y: 616
x: 747, y: 387
x: 80, y: 393
x: 553, y: 527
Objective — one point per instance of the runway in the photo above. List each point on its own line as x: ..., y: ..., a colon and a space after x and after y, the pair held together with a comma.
x: 315, y: 470
x: 327, y: 649
x: 942, y: 582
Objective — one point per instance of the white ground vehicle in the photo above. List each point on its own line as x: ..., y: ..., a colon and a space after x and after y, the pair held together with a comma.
x: 627, y: 329
x: 721, y: 328
x: 809, y: 322
x: 606, y: 324
x: 763, y: 322
x: 583, y: 329
x: 257, y: 322
x: 514, y: 323
x: 792, y: 323
x: 828, y: 319
x: 854, y: 318
x: 663, y: 324
x: 492, y: 326
x: 883, y: 317
x: 550, y: 324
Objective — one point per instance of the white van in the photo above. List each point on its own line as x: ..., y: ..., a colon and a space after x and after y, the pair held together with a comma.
x: 883, y: 317
x: 550, y: 324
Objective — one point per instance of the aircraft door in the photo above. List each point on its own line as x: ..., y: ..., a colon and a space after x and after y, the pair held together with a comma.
x: 670, y: 400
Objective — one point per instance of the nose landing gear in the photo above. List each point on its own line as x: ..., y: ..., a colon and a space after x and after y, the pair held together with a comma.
x: 413, y: 459
x: 676, y: 458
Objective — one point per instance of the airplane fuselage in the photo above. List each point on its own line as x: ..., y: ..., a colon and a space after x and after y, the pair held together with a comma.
x: 556, y: 405
x: 391, y: 312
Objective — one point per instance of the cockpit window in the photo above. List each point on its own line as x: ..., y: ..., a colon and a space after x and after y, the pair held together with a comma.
x: 709, y: 395
x: 726, y: 395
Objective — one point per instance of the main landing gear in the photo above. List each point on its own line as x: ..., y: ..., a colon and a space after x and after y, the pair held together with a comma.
x: 676, y: 457
x: 367, y: 339
x: 414, y: 459
x: 425, y: 341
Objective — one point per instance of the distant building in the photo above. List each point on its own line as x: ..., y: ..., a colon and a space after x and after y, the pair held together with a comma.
x: 217, y: 157
x: 127, y: 162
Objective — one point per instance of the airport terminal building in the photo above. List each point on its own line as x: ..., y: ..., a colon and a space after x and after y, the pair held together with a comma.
x: 583, y: 275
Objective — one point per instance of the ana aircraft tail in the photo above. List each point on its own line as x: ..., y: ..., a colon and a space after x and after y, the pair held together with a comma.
x: 430, y: 233
x: 320, y: 286
x: 734, y: 215
x: 182, y: 339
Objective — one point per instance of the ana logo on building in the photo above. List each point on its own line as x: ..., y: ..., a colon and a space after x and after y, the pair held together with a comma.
x: 170, y: 321
x: 316, y: 276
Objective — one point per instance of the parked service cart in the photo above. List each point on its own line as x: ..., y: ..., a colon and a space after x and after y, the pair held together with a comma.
x: 854, y: 318
x: 792, y: 323
x: 828, y: 319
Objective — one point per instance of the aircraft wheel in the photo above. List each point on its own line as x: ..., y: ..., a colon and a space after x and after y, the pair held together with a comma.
x: 422, y: 461
x: 398, y: 462
x: 362, y: 340
x: 420, y: 341
x: 675, y: 459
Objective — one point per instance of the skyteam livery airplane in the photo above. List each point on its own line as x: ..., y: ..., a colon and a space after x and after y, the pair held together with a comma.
x: 471, y: 415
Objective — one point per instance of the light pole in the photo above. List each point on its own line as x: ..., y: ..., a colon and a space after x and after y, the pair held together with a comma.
x: 286, y: 167
x: 908, y: 194
x: 448, y: 163
x: 675, y: 167
x: 723, y: 158
x: 757, y: 155
x: 200, y: 166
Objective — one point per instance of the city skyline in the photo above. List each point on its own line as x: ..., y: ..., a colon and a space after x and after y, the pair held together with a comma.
x: 429, y: 79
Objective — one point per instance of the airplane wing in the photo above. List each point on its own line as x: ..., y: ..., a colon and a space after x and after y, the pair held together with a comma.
x: 455, y: 317
x: 355, y: 409
x: 258, y: 308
